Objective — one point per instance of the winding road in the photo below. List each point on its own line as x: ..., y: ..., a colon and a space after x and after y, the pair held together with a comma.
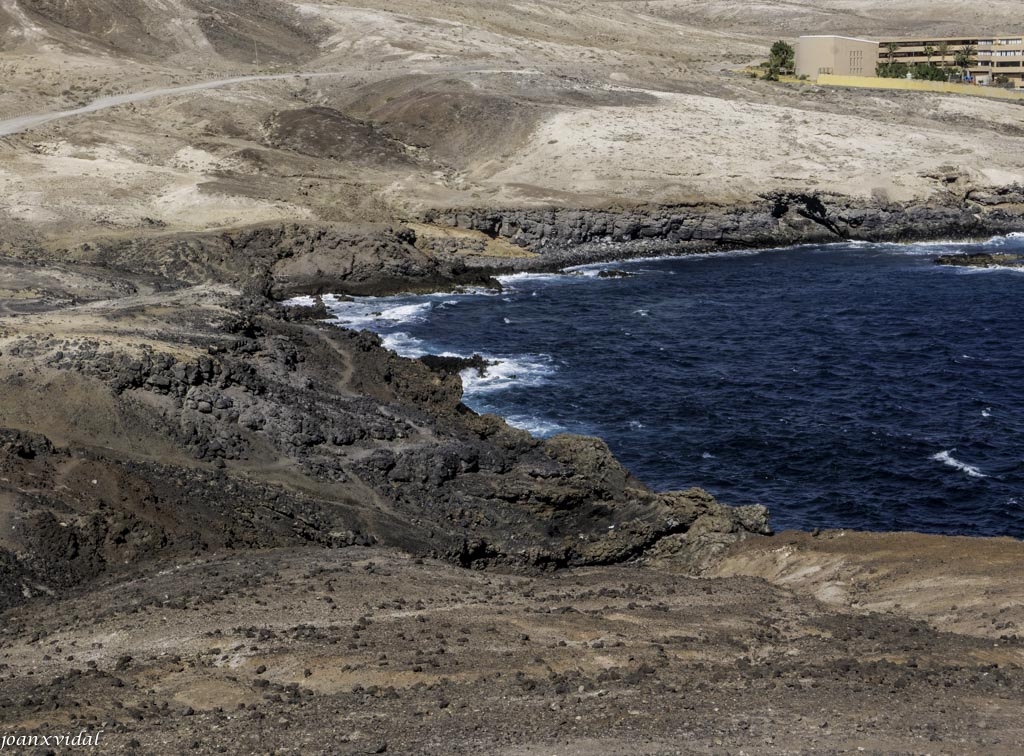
x: 24, y: 123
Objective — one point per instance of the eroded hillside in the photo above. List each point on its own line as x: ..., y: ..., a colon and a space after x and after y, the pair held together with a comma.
x: 398, y: 108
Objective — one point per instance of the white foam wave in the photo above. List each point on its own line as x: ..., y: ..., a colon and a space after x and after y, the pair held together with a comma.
x: 956, y: 247
x: 463, y: 292
x: 521, y: 370
x: 934, y: 243
x: 371, y: 312
x: 406, y: 313
x: 535, y: 425
x: 404, y: 344
x: 591, y: 270
x: 998, y: 241
x: 970, y: 271
x: 509, y: 281
x: 947, y: 458
x: 987, y: 412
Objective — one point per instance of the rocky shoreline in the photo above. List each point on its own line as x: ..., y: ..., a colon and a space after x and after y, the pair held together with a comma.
x: 193, y: 358
x: 563, y: 236
x: 254, y: 383
x: 983, y: 260
x: 285, y: 260
x: 306, y: 512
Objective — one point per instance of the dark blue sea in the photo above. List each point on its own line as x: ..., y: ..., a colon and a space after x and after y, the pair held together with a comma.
x: 843, y: 386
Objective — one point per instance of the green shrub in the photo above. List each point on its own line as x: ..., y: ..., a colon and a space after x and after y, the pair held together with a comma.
x: 892, y: 70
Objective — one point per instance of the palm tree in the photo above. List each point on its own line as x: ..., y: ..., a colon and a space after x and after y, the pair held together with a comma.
x: 964, y: 59
x: 929, y: 51
x: 891, y: 48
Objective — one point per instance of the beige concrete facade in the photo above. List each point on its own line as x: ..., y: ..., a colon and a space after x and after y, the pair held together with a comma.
x: 997, y: 60
x: 842, y: 56
x: 995, y: 57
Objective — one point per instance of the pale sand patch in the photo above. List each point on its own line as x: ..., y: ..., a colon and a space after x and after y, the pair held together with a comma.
x: 193, y: 159
x: 957, y: 584
x: 189, y: 207
x: 64, y: 183
x: 728, y: 139
x: 499, y: 247
x: 695, y: 147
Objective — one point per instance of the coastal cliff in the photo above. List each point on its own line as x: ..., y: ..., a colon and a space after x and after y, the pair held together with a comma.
x: 777, y: 219
x: 227, y: 526
x: 215, y: 421
x: 218, y: 511
x: 203, y: 379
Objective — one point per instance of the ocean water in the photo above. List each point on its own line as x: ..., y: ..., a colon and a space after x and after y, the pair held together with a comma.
x: 849, y: 385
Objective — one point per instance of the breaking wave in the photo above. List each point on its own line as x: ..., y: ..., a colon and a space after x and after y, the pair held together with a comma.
x: 520, y: 371
x: 825, y: 382
x: 947, y: 458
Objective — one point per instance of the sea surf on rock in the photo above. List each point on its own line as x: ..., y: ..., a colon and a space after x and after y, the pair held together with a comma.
x: 863, y: 387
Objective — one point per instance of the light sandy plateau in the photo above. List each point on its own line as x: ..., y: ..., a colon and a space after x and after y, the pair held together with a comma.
x: 702, y: 132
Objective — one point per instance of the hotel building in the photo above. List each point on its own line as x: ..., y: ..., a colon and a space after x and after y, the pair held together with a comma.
x: 842, y: 56
x: 996, y: 59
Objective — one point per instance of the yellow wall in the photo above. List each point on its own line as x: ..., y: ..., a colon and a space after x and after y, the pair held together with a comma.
x: 875, y: 82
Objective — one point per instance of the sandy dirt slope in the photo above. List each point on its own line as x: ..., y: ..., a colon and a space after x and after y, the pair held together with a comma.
x: 872, y: 18
x: 367, y: 650
x: 693, y: 148
x: 963, y: 585
x: 572, y: 103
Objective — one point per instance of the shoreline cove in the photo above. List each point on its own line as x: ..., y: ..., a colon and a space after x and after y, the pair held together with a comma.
x: 394, y: 318
x: 675, y: 409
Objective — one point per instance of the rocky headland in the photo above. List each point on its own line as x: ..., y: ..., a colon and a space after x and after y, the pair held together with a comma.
x: 306, y: 513
x: 228, y: 526
x: 982, y: 260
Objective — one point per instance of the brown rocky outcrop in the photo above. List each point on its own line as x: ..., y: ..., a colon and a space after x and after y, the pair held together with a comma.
x: 777, y: 219
x: 981, y: 260
x: 283, y: 260
x: 241, y: 428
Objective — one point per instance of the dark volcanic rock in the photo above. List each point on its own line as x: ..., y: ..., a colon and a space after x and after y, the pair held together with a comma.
x: 451, y: 365
x: 276, y: 430
x: 981, y: 260
x: 285, y: 433
x: 315, y: 311
x: 780, y: 218
x: 323, y: 132
x: 287, y: 260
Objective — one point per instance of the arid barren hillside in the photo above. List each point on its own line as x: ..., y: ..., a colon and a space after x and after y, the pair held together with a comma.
x: 574, y: 104
x: 847, y: 17
x: 226, y: 526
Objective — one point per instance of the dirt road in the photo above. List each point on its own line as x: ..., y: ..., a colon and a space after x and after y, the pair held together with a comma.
x: 27, y: 122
